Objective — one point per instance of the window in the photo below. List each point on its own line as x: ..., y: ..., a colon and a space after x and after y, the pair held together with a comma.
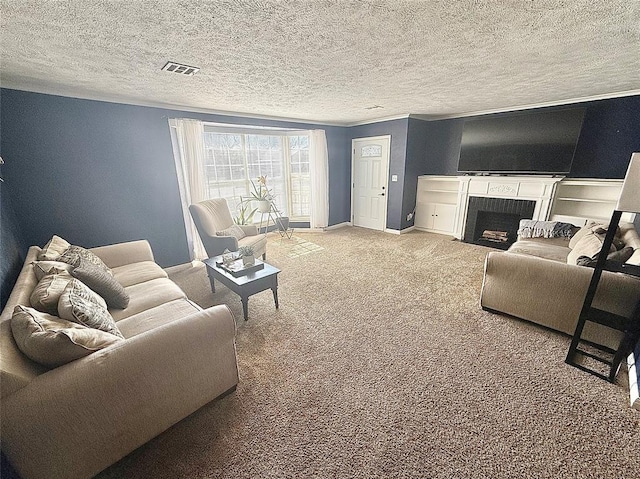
x: 233, y: 160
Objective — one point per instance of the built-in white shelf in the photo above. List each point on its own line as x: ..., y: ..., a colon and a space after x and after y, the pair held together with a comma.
x: 437, y: 202
x: 576, y: 200
x: 441, y: 201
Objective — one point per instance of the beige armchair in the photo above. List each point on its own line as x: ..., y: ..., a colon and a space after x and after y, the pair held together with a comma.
x: 212, y: 216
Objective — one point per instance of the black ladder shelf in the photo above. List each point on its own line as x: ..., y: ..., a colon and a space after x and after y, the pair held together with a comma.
x: 629, y: 326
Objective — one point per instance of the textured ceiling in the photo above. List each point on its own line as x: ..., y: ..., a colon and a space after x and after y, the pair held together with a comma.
x: 325, y: 61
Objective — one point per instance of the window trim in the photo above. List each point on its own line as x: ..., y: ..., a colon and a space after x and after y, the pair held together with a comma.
x: 285, y: 133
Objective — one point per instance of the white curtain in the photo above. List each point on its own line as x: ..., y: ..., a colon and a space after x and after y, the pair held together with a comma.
x: 319, y: 172
x: 188, y: 150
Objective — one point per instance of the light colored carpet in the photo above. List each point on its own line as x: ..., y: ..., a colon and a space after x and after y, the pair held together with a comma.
x: 381, y: 364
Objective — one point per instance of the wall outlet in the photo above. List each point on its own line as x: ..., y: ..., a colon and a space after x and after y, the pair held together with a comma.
x: 394, y: 177
x: 409, y: 216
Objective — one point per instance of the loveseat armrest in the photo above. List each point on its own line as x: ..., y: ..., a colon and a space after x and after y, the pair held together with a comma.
x: 121, y: 254
x: 77, y: 419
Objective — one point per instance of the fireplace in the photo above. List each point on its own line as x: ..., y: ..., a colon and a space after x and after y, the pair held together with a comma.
x: 494, y: 221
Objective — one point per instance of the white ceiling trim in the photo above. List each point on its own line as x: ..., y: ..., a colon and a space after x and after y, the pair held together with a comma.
x: 165, y: 106
x: 169, y: 106
x: 607, y: 96
x: 379, y: 120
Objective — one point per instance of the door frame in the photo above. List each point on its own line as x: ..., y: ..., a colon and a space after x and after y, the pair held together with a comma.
x: 386, y: 183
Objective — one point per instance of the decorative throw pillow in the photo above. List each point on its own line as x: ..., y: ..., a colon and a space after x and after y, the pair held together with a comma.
x: 620, y: 256
x: 43, y: 268
x: 52, y: 341
x: 47, y: 292
x: 81, y: 305
x: 585, y: 230
x: 589, y: 245
x: 53, y: 249
x: 234, y: 231
x: 102, y: 283
x: 75, y: 254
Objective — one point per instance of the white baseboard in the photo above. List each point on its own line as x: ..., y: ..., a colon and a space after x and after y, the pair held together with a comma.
x: 308, y: 229
x: 336, y: 226
x: 399, y: 232
x: 634, y: 395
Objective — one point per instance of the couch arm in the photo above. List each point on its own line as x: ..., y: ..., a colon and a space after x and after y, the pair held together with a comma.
x: 249, y: 230
x: 79, y: 418
x: 551, y: 293
x: 120, y: 254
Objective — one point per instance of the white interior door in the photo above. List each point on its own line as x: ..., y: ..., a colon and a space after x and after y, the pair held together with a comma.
x: 369, y: 181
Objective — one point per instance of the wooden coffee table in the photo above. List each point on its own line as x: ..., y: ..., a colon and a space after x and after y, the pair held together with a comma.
x: 244, y: 286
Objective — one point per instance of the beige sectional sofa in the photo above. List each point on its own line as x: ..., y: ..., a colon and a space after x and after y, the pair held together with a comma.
x: 533, y: 281
x: 76, y: 419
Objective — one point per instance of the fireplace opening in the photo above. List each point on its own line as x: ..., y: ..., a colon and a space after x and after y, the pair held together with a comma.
x: 494, y: 222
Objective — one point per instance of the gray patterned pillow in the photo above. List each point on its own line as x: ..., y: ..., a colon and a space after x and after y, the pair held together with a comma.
x: 102, y: 283
x: 75, y: 254
x: 81, y: 305
x: 234, y: 230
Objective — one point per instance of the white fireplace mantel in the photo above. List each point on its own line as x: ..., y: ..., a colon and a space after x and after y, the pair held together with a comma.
x: 534, y: 188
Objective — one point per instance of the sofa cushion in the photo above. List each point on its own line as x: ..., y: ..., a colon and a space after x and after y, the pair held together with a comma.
x: 233, y: 230
x: 81, y: 305
x: 46, y: 294
x: 588, y: 245
x: 139, y: 272
x: 74, y: 255
x: 43, y: 268
x: 148, y: 295
x: 52, y: 341
x: 53, y: 249
x: 544, y: 248
x: 103, y: 283
x: 157, y: 316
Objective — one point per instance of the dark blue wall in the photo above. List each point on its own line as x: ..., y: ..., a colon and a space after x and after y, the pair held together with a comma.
x: 610, y: 133
x: 398, y: 131
x: 12, y: 248
x: 97, y: 173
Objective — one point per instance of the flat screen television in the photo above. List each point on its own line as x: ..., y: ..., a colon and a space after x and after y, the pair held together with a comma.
x: 536, y: 142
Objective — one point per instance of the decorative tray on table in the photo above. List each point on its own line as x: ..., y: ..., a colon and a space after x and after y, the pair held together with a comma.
x: 237, y: 268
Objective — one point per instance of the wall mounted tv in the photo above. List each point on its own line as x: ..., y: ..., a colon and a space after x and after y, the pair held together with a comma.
x: 535, y: 142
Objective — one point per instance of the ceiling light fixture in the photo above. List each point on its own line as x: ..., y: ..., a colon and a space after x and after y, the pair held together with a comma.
x: 180, y: 68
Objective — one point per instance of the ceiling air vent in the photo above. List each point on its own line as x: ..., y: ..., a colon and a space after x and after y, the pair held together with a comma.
x: 180, y: 68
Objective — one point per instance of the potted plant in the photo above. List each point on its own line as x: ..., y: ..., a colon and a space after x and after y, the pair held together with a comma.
x: 262, y: 194
x: 246, y: 253
x: 244, y: 215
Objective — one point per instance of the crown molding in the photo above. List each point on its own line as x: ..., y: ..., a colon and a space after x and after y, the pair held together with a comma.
x: 378, y: 120
x: 168, y: 106
x: 605, y: 96
x: 208, y: 111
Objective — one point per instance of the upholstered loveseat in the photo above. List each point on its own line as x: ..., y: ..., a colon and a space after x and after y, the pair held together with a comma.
x: 73, y: 420
x: 533, y: 280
